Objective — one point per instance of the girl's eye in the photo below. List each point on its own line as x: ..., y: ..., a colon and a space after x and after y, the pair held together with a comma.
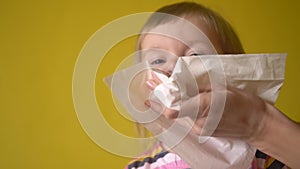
x: 158, y: 61
x: 195, y: 54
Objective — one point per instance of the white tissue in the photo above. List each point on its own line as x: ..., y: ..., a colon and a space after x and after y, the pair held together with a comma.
x: 168, y: 92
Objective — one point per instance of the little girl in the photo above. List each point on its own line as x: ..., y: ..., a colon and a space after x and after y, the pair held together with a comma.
x: 162, y: 52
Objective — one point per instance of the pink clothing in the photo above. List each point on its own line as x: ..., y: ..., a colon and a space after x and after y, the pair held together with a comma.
x: 158, y: 158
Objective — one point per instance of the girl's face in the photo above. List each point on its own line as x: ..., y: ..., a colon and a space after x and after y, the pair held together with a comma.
x: 162, y: 45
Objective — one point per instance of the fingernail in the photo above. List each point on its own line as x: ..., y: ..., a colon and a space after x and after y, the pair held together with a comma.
x: 149, y: 84
x: 147, y: 103
x: 153, y: 74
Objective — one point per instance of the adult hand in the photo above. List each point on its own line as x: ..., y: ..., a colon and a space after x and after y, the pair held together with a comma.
x: 248, y: 117
x: 243, y: 115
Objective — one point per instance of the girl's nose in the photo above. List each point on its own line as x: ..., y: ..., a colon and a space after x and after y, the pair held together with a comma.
x: 169, y: 71
x: 164, y: 71
x: 168, y: 68
x: 171, y: 65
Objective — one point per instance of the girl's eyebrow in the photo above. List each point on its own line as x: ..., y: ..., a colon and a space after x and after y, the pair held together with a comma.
x: 152, y: 50
x: 155, y: 48
x: 147, y: 52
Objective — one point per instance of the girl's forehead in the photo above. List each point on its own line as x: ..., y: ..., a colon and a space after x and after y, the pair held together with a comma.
x: 174, y: 36
x: 182, y: 30
x: 160, y: 40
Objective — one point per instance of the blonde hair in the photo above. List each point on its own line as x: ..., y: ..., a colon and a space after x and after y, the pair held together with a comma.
x: 223, y: 31
x: 225, y: 34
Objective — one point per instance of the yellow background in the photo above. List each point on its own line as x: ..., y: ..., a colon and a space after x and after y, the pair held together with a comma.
x: 39, y: 45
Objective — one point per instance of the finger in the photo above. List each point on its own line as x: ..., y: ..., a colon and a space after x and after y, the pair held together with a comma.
x: 151, y: 84
x: 209, y: 87
x: 240, y: 134
x: 155, y: 78
x: 155, y: 106
x: 197, y: 106
x: 190, y: 107
x: 198, y: 126
x: 170, y: 113
x: 161, y: 109
x: 204, y: 88
x: 205, y: 103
